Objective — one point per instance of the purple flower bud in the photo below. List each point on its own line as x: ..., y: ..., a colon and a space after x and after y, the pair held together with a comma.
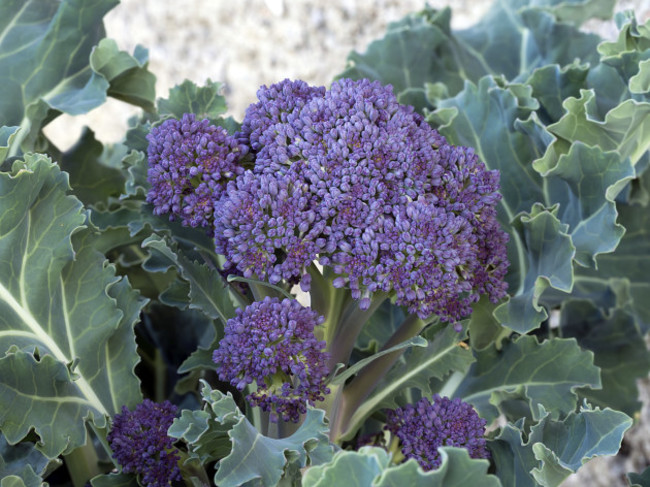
x: 351, y: 178
x: 186, y: 174
x: 279, y: 352
x: 141, y: 445
x: 424, y: 427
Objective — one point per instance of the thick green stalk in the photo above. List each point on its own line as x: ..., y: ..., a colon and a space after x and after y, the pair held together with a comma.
x: 82, y: 464
x: 367, y: 379
x: 344, y: 335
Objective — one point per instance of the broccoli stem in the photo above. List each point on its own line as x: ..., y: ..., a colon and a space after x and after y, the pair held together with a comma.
x: 82, y: 464
x: 354, y: 393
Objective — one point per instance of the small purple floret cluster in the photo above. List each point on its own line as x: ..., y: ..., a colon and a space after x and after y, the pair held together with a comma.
x: 141, y: 445
x: 348, y: 178
x: 189, y: 164
x: 424, y: 427
x: 272, y: 342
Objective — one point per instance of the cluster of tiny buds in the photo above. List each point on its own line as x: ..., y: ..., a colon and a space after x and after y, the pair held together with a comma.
x: 423, y: 427
x: 348, y: 178
x: 140, y: 443
x: 271, y: 343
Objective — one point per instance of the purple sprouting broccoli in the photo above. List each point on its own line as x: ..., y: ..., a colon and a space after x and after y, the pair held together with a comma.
x: 272, y: 342
x: 352, y: 179
x: 277, y: 104
x: 141, y: 445
x: 424, y: 427
x: 189, y: 164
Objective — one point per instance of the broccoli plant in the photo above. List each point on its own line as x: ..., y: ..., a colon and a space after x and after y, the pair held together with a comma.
x: 431, y: 271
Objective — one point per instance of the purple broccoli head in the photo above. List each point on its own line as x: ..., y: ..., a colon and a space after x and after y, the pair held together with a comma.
x: 352, y: 179
x: 189, y: 164
x: 272, y: 342
x: 424, y: 427
x: 140, y: 443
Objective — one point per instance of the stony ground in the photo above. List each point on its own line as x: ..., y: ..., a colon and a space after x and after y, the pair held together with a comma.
x: 248, y: 43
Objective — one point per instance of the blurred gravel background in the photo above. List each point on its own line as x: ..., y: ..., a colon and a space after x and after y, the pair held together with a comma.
x: 247, y: 43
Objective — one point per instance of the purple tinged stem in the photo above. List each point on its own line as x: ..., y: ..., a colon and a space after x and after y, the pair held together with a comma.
x: 367, y: 379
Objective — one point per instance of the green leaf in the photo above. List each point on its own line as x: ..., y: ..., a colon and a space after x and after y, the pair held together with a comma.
x: 373, y: 466
x: 135, y: 165
x: 350, y: 468
x: 625, y: 129
x: 208, y: 293
x: 92, y: 180
x: 7, y: 136
x: 556, y: 448
x: 206, y: 430
x: 15, y: 481
x: 549, y: 250
x: 252, y: 459
x: 205, y: 101
x: 62, y: 303
x: 585, y: 182
x: 260, y: 459
x: 548, y: 373
x: 46, y: 46
x: 128, y: 76
x: 23, y: 460
x: 564, y: 446
x: 619, y: 351
x: 414, y: 51
x: 115, y: 480
x: 417, y: 341
x: 456, y: 470
x: 512, y: 40
x: 442, y: 355
x: 552, y: 84
x: 484, y: 329
x: 623, y: 273
x: 639, y: 480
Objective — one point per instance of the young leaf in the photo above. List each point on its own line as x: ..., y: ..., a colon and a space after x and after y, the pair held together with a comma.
x: 206, y: 430
x: 252, y: 458
x: 207, y: 291
x: 128, y: 76
x: 205, y: 101
x: 258, y: 460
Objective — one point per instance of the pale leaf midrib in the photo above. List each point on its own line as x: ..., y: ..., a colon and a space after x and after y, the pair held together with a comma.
x: 30, y: 321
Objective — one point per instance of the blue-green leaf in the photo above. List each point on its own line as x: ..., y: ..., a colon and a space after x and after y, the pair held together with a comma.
x: 373, y: 466
x: 208, y: 292
x: 23, y: 460
x: 548, y: 373
x: 619, y: 351
x: 639, y: 480
x: 66, y: 320
x: 206, y: 430
x: 128, y: 76
x: 205, y: 101
x: 556, y: 448
x: 350, y: 468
